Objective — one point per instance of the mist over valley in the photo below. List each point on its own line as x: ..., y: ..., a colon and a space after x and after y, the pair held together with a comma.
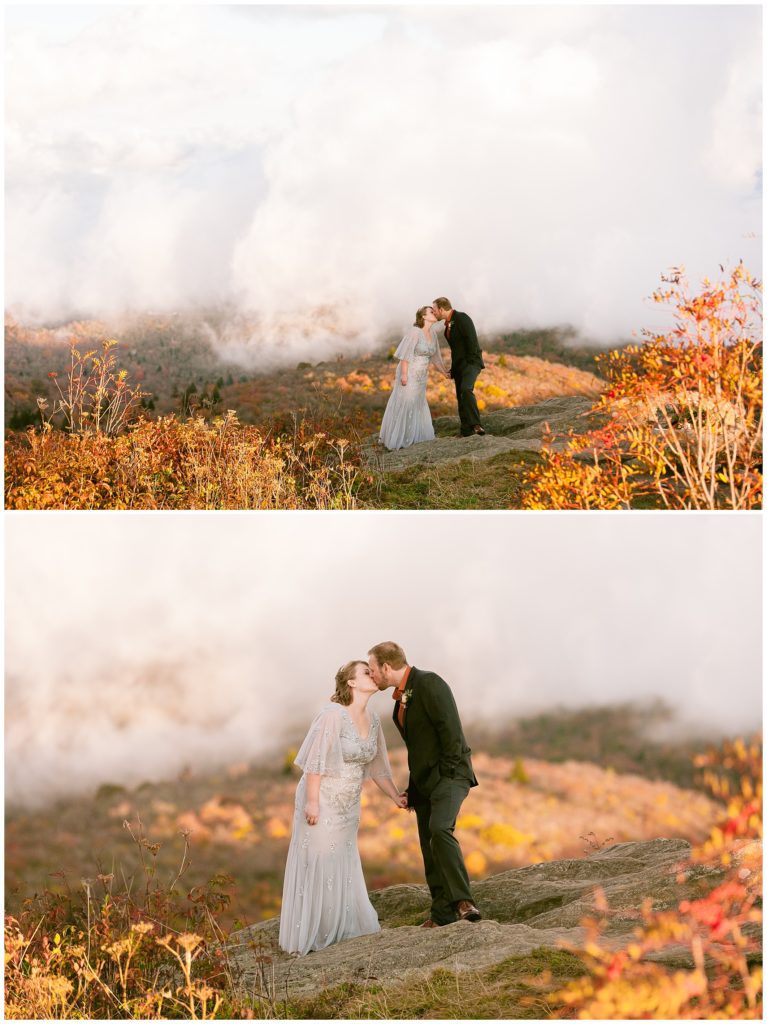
x: 137, y: 646
x: 267, y: 161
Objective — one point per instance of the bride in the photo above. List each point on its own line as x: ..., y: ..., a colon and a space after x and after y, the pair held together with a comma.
x: 407, y: 419
x: 324, y: 898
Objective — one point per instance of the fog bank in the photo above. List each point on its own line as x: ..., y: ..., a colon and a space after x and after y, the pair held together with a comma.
x: 137, y: 645
x: 326, y: 170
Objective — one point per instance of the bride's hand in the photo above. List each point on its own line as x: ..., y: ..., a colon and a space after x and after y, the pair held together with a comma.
x: 312, y: 812
x: 403, y: 381
x: 401, y: 800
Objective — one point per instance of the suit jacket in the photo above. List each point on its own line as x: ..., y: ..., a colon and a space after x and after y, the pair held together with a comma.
x: 436, y: 746
x: 464, y: 346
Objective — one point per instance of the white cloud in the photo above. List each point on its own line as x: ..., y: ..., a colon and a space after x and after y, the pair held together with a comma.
x: 736, y: 143
x: 539, y: 166
x: 138, y: 644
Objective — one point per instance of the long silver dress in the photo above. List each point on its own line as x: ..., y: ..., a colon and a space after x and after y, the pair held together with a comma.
x: 407, y: 419
x: 324, y: 896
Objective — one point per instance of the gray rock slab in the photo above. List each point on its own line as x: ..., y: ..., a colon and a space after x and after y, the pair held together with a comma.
x: 523, y: 909
x: 395, y: 955
x: 519, y: 429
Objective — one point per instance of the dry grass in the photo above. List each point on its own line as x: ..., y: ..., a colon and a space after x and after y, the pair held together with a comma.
x: 172, y: 464
x: 148, y: 943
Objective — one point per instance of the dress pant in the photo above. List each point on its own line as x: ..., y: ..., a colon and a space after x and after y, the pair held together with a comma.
x: 465, y: 377
x: 446, y: 873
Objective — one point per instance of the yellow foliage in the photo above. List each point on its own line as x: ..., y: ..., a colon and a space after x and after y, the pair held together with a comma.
x: 505, y: 835
x: 276, y: 828
x: 470, y: 821
x: 476, y: 863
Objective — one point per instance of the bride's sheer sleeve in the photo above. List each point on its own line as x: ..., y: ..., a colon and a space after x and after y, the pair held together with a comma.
x: 379, y: 767
x: 320, y: 753
x: 406, y: 348
x: 437, y: 357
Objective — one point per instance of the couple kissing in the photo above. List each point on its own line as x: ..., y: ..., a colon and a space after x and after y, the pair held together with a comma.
x: 407, y: 419
x: 325, y: 898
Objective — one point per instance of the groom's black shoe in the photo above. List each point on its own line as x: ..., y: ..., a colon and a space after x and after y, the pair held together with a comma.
x: 479, y: 430
x: 467, y: 911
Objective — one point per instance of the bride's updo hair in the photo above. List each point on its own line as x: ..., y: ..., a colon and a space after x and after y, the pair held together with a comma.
x: 419, y: 316
x: 343, y: 694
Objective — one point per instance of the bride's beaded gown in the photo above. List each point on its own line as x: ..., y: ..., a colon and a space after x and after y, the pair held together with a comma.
x: 407, y: 419
x: 324, y: 896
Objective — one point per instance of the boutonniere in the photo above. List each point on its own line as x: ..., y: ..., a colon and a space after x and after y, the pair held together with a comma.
x: 406, y: 697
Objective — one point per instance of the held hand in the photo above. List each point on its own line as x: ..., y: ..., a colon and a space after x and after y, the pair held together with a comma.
x: 312, y: 812
x: 401, y: 800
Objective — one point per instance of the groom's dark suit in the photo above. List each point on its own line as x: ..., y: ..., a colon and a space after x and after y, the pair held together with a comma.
x: 465, y: 366
x: 440, y: 778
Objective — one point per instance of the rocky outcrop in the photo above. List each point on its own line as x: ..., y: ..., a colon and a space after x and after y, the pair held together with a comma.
x: 518, y: 429
x: 523, y: 909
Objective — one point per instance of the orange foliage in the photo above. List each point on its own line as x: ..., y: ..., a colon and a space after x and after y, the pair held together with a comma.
x: 107, y: 458
x: 683, y: 412
x: 168, y: 463
x: 719, y: 933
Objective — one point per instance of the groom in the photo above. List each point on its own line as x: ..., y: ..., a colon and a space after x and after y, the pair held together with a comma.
x: 440, y: 776
x: 466, y: 362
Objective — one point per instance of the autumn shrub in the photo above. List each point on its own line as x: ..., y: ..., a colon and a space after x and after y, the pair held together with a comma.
x: 96, y: 449
x: 146, y: 951
x: 718, y: 934
x: 93, y: 396
x: 168, y: 463
x: 681, y: 414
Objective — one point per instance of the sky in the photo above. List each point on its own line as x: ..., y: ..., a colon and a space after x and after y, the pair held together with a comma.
x: 321, y: 171
x: 139, y: 644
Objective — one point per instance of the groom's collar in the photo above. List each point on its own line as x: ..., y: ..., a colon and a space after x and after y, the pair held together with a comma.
x: 399, y: 690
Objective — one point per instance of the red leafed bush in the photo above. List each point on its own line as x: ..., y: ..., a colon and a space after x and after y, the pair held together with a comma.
x: 720, y: 931
x: 682, y: 412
